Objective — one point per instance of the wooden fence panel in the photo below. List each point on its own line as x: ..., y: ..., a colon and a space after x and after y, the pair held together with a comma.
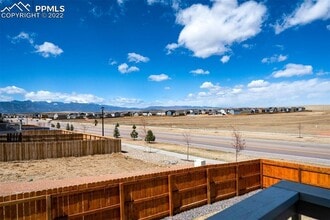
x: 52, y: 137
x: 145, y: 198
x: 30, y: 205
x: 248, y: 176
x: 100, y: 202
x: 43, y: 132
x: 228, y: 180
x: 316, y: 178
x: 16, y: 151
x: 222, y: 182
x: 188, y: 189
x: 274, y: 171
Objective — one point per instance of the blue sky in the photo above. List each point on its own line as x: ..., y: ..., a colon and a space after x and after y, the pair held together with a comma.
x: 139, y: 53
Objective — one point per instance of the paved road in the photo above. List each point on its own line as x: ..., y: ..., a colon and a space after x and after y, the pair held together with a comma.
x: 254, y: 146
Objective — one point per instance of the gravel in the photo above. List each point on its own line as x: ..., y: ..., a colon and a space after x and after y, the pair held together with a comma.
x: 206, y: 211
x: 152, y: 156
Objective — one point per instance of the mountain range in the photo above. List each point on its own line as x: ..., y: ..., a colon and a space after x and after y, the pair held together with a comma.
x: 15, y: 107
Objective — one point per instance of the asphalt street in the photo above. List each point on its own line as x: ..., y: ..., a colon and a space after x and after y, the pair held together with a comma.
x: 213, y: 142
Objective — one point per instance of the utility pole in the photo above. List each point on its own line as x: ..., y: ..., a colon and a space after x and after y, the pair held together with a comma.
x: 102, y: 109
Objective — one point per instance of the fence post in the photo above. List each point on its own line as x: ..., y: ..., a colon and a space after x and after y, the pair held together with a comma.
x: 237, y: 190
x: 170, y: 194
x: 122, y: 201
x: 48, y: 207
x: 209, y: 187
x: 261, y: 173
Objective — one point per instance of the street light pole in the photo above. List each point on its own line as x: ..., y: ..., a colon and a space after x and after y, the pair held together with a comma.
x: 102, y: 108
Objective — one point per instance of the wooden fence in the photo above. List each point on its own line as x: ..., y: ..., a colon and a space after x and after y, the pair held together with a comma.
x: 49, y: 135
x: 44, y: 144
x: 153, y: 196
x: 274, y: 171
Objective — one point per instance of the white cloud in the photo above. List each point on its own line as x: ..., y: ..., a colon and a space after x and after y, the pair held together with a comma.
x: 202, y: 94
x: 247, y: 46
x: 322, y: 73
x: 292, y: 69
x: 258, y: 83
x: 175, y: 4
x: 171, y: 47
x: 151, y: 2
x: 112, y: 62
x: 43, y: 95
x: 261, y: 93
x: 237, y: 90
x: 124, y: 68
x: 224, y: 23
x: 167, y: 88
x: 275, y: 59
x: 125, y: 102
x: 225, y: 59
x: 12, y: 90
x: 23, y: 36
x: 47, y: 48
x: 307, y: 12
x: 159, y: 78
x: 137, y: 58
x: 48, y: 96
x: 200, y: 72
x: 120, y: 2
x: 210, y: 86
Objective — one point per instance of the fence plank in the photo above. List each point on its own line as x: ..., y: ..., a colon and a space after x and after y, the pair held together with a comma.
x: 122, y: 201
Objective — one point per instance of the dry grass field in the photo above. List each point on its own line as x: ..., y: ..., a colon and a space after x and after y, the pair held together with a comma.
x: 313, y: 125
x: 310, y: 122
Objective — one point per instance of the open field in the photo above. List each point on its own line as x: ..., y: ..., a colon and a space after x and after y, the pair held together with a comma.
x: 312, y: 123
x: 312, y: 126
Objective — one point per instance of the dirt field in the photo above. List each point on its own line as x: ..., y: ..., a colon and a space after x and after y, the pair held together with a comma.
x: 312, y: 123
x: 62, y: 168
x: 313, y: 126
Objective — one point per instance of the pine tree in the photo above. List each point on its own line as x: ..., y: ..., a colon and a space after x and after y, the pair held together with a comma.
x: 134, y: 133
x: 150, y: 137
x: 68, y: 127
x: 58, y: 125
x: 71, y: 127
x: 116, y: 132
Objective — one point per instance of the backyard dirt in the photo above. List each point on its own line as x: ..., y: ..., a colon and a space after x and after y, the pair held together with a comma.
x: 315, y: 127
x: 38, y: 175
x: 72, y: 167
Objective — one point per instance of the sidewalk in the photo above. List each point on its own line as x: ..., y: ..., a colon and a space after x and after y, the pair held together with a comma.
x: 174, y: 155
